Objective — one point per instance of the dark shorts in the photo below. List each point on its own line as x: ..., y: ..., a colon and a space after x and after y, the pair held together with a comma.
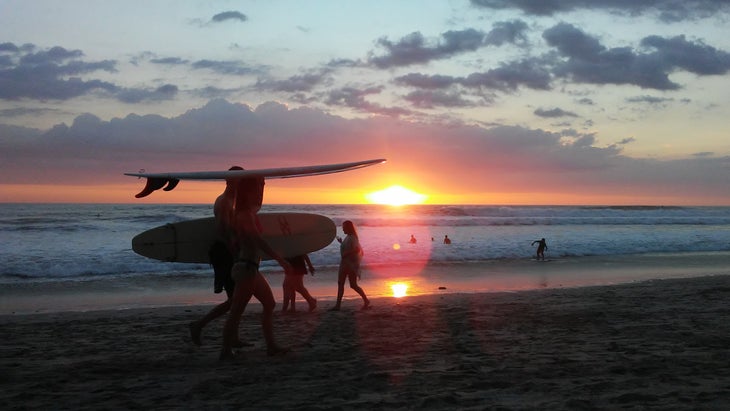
x: 222, y: 262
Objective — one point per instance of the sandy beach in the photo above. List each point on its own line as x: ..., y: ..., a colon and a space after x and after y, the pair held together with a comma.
x: 661, y: 344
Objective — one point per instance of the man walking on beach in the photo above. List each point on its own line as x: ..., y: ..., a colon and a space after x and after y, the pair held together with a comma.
x: 221, y: 258
x: 236, y: 217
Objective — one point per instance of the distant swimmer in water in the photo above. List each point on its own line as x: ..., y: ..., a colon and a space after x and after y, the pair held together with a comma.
x: 412, y: 240
x: 542, y: 246
x: 447, y: 240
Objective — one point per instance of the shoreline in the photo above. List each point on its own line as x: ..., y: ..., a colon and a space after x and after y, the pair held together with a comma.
x: 150, y: 291
x: 659, y: 344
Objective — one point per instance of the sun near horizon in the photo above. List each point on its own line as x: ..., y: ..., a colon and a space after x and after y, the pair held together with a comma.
x: 396, y: 195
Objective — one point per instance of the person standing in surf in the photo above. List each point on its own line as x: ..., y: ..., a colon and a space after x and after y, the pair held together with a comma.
x: 350, y: 258
x: 541, y: 247
x: 236, y: 214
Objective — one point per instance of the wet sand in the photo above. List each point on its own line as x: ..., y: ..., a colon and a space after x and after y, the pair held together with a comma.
x: 660, y: 344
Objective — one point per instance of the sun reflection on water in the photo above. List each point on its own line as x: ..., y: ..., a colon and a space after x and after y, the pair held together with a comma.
x: 399, y: 289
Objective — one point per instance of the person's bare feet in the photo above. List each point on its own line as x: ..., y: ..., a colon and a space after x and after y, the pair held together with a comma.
x: 313, y: 305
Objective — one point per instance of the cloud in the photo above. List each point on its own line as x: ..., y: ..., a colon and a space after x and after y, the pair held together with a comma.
x: 507, y: 78
x: 170, y: 61
x: 586, y: 60
x: 297, y: 83
x: 554, y: 113
x: 229, y: 67
x: 697, y: 58
x: 229, y: 15
x: 165, y: 92
x: 660, y: 101
x: 8, y: 47
x: 26, y: 111
x: 665, y: 10
x: 431, y: 99
x: 507, y: 158
x: 51, y: 74
x: 355, y: 98
x: 56, y: 74
x: 627, y: 140
x: 416, y: 49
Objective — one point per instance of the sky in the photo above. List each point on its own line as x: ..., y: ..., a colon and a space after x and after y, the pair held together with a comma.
x: 581, y: 102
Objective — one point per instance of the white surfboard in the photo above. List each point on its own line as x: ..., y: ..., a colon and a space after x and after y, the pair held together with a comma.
x: 290, y: 234
x: 169, y: 181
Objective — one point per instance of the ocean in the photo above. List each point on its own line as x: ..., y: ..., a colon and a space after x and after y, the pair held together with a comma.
x: 47, y: 247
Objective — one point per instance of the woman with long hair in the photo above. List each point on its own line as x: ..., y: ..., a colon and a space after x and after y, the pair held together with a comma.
x: 350, y: 258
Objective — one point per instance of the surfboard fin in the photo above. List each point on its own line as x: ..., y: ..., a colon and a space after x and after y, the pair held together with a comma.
x: 171, y: 184
x: 154, y: 184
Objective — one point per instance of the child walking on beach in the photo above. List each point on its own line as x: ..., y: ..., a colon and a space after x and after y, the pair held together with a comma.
x: 294, y: 282
x: 350, y: 258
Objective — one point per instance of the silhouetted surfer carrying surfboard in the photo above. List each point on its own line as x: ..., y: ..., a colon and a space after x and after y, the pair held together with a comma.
x: 238, y: 224
x: 235, y: 212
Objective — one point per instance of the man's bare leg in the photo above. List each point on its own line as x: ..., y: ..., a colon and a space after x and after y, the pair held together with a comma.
x: 262, y: 292
x: 241, y: 295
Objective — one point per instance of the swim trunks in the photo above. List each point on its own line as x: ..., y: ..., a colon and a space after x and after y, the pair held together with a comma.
x: 244, y: 269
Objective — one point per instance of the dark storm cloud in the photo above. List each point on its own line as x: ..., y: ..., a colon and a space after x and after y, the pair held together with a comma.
x: 416, y: 49
x: 554, y: 113
x: 588, y: 61
x: 229, y: 15
x: 666, y: 10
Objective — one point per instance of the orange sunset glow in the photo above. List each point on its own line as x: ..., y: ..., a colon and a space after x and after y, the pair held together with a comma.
x: 396, y: 196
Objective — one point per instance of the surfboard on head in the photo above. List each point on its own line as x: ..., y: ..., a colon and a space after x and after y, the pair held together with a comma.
x: 168, y: 181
